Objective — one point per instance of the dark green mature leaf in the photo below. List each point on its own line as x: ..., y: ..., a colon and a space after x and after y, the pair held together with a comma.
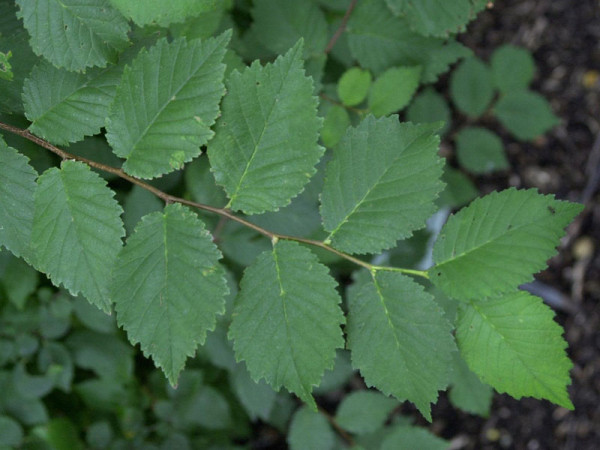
x: 287, y: 304
x: 364, y: 411
x: 471, y: 87
x: 309, y: 429
x: 513, y: 343
x: 166, y: 103
x: 498, y: 242
x: 163, y: 13
x: 525, y: 114
x: 436, y: 17
x: 261, y: 164
x: 74, y: 34
x: 512, y: 68
x: 77, y: 230
x: 380, y: 184
x: 66, y: 106
x: 280, y: 24
x: 160, y: 307
x: 17, y: 189
x: 392, y: 324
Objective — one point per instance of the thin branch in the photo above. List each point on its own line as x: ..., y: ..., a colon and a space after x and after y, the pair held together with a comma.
x: 341, y: 28
x: 336, y: 426
x: 223, y: 212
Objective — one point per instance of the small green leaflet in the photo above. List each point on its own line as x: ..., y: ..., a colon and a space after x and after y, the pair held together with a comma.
x: 77, y: 230
x: 525, y: 114
x: 159, y: 307
x: 74, y: 34
x: 513, y: 343
x: 393, y: 89
x: 163, y: 13
x: 17, y: 189
x: 513, y: 68
x: 364, y: 411
x: 410, y: 438
x: 262, y: 163
x: 66, y: 106
x: 380, y: 184
x: 166, y: 103
x: 399, y: 339
x: 310, y: 430
x: 286, y: 324
x: 471, y: 87
x: 498, y: 242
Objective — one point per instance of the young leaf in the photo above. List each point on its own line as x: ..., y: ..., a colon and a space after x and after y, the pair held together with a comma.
x: 380, y: 184
x: 77, y: 230
x: 436, y: 17
x: 364, y: 411
x: 393, y: 90
x: 525, y: 114
x: 166, y: 103
x: 480, y: 151
x: 261, y: 164
x: 335, y: 124
x: 399, y: 339
x: 410, y: 438
x: 66, y: 106
x: 168, y: 287
x: 513, y: 343
x: 512, y: 68
x: 498, y: 242
x: 471, y: 87
x: 279, y: 25
x: 159, y: 12
x: 428, y: 107
x: 353, y: 86
x: 309, y: 429
x: 17, y: 189
x: 286, y: 324
x: 74, y: 34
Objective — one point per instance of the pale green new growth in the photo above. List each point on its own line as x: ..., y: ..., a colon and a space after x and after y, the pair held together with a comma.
x: 77, y: 230
x: 392, y: 324
x: 393, y: 90
x: 17, y: 188
x: 380, y: 184
x: 166, y: 103
x: 513, y: 344
x: 65, y: 106
x: 74, y: 34
x: 160, y: 307
x: 286, y: 324
x: 498, y: 242
x: 266, y: 146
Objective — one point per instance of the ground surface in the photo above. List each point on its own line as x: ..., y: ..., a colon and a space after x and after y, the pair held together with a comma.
x: 564, y: 37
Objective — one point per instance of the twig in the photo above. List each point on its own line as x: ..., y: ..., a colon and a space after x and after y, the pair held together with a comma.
x: 336, y: 426
x: 167, y: 198
x: 341, y: 28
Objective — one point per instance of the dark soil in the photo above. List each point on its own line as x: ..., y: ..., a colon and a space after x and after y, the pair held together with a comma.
x: 564, y: 38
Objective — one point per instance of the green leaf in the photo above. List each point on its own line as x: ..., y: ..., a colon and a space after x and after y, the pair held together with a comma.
x: 162, y: 308
x: 380, y: 184
x: 480, y: 151
x: 429, y: 107
x: 471, y: 87
x: 279, y: 25
x: 498, y: 242
x: 335, y: 124
x: 261, y: 164
x: 435, y: 17
x: 74, y: 34
x: 525, y: 114
x: 258, y: 399
x: 468, y: 392
x: 512, y: 68
x: 393, y: 90
x: 66, y: 106
x: 399, y: 339
x: 11, y: 432
x: 166, y: 103
x: 137, y: 204
x: 17, y: 189
x: 286, y: 324
x: 364, y: 411
x: 18, y: 278
x: 513, y: 343
x: 410, y: 438
x: 158, y: 12
x: 459, y: 189
x: 77, y: 230
x: 378, y: 40
x: 310, y: 429
x: 353, y: 86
